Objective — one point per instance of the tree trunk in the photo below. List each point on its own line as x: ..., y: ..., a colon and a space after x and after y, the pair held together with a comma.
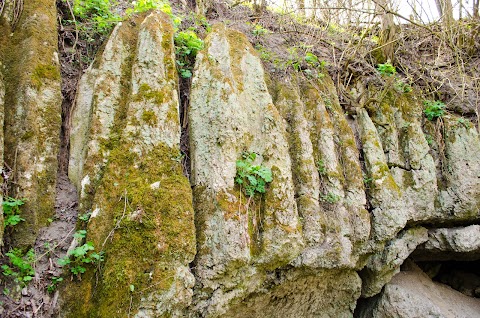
x: 387, y: 34
x: 301, y: 7
x: 445, y: 10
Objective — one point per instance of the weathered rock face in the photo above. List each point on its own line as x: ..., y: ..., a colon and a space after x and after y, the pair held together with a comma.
x: 402, y: 179
x: 382, y: 266
x: 2, y: 105
x: 459, y: 196
x: 303, y: 293
x: 125, y: 150
x: 351, y: 197
x: 327, y: 174
x: 461, y: 243
x: 231, y: 112
x: 28, y: 50
x: 412, y: 294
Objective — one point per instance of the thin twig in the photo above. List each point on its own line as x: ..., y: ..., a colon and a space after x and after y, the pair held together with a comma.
x: 117, y: 225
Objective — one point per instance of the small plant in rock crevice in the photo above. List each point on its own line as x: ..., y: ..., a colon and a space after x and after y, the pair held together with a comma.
x: 187, y: 45
x: 11, y: 211
x: 322, y: 170
x: 433, y: 109
x: 252, y: 178
x: 77, y: 259
x: 54, y: 283
x: 330, y: 197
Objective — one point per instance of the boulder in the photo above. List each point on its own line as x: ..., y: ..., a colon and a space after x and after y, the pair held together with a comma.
x: 412, y: 294
x: 459, y: 243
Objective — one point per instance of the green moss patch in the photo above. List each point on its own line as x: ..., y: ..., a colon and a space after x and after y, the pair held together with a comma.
x: 145, y: 221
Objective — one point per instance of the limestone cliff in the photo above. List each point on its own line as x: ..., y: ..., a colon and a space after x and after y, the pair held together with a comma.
x: 354, y: 192
x: 345, y: 187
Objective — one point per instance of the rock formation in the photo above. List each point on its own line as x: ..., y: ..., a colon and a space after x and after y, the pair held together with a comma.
x: 411, y: 293
x: 353, y: 196
x: 125, y: 162
x: 255, y: 256
x: 32, y: 113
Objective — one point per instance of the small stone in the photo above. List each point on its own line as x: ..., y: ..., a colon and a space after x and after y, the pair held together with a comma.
x: 155, y: 185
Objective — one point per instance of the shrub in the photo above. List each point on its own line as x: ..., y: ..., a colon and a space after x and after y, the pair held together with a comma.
x: 98, y: 14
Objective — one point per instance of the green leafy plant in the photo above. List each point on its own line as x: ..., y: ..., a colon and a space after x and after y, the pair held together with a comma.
x: 85, y: 217
x: 311, y: 58
x: 259, y: 30
x: 80, y: 234
x: 402, y: 87
x: 21, y: 269
x: 464, y: 122
x: 53, y: 285
x: 252, y: 178
x: 97, y: 15
x: 264, y: 53
x: 201, y: 21
x: 433, y: 109
x: 187, y: 45
x: 293, y: 60
x: 367, y: 181
x: 330, y: 198
x: 162, y: 5
x: 145, y: 5
x: 77, y: 258
x: 322, y: 170
x: 11, y: 211
x: 386, y: 69
x: 429, y: 139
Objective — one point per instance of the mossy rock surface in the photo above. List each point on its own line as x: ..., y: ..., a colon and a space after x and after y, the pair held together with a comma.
x: 2, y: 98
x: 33, y: 118
x: 141, y: 203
